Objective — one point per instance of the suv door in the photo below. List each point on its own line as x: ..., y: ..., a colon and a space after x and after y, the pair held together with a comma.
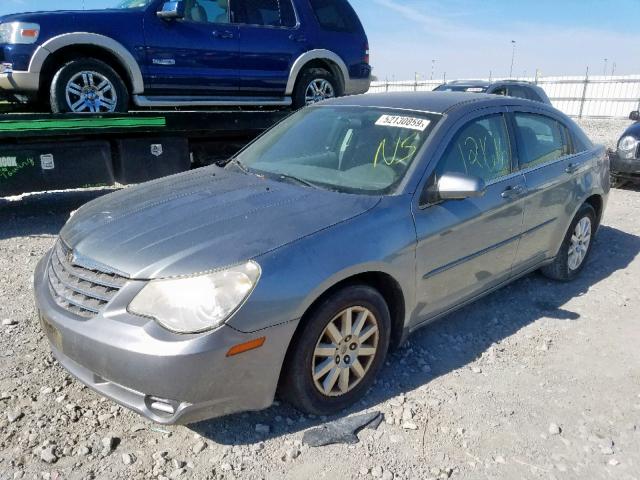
x: 194, y: 56
x: 270, y: 41
x: 468, y: 246
x: 549, y: 165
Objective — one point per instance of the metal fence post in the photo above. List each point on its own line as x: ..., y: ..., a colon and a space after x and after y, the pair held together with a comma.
x: 584, y: 93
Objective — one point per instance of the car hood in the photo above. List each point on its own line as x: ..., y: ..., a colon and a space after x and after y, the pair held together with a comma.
x: 201, y: 220
x: 633, y: 129
x: 68, y: 16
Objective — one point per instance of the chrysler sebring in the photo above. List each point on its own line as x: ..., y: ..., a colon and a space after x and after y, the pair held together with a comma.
x: 323, y: 244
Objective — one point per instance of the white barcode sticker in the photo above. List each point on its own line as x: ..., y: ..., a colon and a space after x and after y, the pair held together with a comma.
x: 412, y: 123
x: 46, y: 162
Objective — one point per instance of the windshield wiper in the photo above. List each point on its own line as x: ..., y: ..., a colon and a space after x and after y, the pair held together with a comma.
x: 300, y: 181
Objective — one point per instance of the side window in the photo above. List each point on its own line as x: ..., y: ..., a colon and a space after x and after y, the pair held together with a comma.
x: 480, y: 149
x: 518, y: 92
x: 207, y: 11
x: 540, y: 139
x: 336, y: 15
x: 271, y: 13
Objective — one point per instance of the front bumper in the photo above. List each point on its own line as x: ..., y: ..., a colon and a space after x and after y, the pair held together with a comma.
x: 19, y: 82
x: 138, y: 364
x: 624, y: 167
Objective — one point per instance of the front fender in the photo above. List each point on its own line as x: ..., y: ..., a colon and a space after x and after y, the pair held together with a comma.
x: 84, y: 38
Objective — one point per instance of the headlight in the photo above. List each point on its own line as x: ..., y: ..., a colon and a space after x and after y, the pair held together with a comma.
x: 19, y: 32
x: 627, y: 147
x: 197, y: 304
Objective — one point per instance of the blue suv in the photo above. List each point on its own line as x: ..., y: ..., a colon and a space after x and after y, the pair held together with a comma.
x: 152, y: 53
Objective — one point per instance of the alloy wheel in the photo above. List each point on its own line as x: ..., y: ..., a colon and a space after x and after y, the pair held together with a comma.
x: 580, y: 241
x: 318, y: 90
x: 90, y: 91
x: 345, y: 351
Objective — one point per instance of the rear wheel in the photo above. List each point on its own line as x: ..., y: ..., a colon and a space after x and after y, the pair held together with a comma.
x: 575, y: 248
x: 315, y: 85
x: 88, y: 86
x: 340, y: 351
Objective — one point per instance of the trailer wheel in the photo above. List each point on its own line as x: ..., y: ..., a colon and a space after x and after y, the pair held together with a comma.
x: 87, y: 85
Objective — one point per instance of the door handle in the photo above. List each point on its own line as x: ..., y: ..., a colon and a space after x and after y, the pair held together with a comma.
x: 297, y: 38
x: 225, y: 35
x: 572, y: 168
x: 513, y: 192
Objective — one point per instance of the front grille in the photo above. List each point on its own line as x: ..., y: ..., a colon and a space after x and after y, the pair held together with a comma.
x: 80, y: 290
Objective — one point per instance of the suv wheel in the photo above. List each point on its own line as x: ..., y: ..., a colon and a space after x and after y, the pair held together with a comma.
x: 335, y: 359
x: 315, y: 85
x: 575, y: 248
x: 88, y: 86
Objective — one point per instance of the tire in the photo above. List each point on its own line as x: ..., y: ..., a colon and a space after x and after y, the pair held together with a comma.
x: 617, y: 182
x: 320, y: 77
x: 561, y: 268
x: 298, y: 386
x: 113, y: 97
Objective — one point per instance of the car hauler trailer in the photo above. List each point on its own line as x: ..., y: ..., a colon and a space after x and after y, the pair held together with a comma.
x: 53, y: 152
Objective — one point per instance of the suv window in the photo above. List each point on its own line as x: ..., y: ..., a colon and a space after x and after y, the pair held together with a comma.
x: 541, y: 139
x: 207, y: 11
x: 336, y: 15
x: 480, y: 149
x: 271, y: 13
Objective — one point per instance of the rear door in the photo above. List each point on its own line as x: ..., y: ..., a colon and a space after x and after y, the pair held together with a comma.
x: 194, y: 56
x: 468, y: 246
x: 270, y: 41
x: 550, y: 168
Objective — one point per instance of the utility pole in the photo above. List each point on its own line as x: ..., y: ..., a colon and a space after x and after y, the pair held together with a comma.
x: 605, y: 66
x: 433, y: 68
x: 613, y: 68
x: 513, y: 57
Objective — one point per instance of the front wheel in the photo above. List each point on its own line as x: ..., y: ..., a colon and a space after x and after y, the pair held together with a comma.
x: 313, y: 86
x: 334, y: 360
x: 575, y: 248
x: 88, y: 86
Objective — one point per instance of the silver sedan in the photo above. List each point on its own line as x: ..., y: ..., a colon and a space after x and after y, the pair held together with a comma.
x: 325, y: 243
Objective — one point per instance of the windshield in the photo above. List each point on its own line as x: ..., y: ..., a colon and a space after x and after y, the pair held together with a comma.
x: 126, y: 4
x: 460, y: 88
x: 348, y: 149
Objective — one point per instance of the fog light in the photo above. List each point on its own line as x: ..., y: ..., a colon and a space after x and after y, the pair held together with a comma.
x: 6, y: 67
x: 161, y: 405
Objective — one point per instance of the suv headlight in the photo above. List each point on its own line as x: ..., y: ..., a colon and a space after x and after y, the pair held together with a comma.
x: 627, y: 147
x: 197, y: 304
x: 19, y: 33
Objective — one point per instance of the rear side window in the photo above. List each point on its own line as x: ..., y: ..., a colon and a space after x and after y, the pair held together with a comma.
x: 336, y: 15
x: 480, y: 149
x: 270, y: 13
x: 522, y: 92
x: 541, y: 139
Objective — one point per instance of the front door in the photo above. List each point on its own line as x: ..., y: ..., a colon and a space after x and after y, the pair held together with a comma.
x: 270, y: 41
x: 195, y: 56
x: 467, y: 246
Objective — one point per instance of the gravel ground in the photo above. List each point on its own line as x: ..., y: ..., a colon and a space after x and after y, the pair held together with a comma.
x: 539, y: 380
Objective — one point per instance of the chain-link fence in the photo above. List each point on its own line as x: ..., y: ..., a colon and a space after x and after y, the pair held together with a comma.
x: 579, y: 96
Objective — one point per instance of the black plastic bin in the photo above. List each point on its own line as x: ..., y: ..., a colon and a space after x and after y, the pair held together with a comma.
x: 54, y: 166
x: 139, y: 160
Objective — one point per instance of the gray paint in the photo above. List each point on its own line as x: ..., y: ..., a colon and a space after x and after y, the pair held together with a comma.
x: 442, y: 255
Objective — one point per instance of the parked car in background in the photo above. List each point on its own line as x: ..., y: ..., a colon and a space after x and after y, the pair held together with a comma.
x: 511, y: 88
x: 317, y: 248
x: 625, y: 161
x: 151, y: 53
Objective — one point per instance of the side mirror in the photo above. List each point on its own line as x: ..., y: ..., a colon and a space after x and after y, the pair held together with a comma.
x: 457, y: 186
x: 172, y: 10
x: 635, y: 116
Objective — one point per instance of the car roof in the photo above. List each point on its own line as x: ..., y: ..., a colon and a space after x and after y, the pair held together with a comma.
x: 433, y: 102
